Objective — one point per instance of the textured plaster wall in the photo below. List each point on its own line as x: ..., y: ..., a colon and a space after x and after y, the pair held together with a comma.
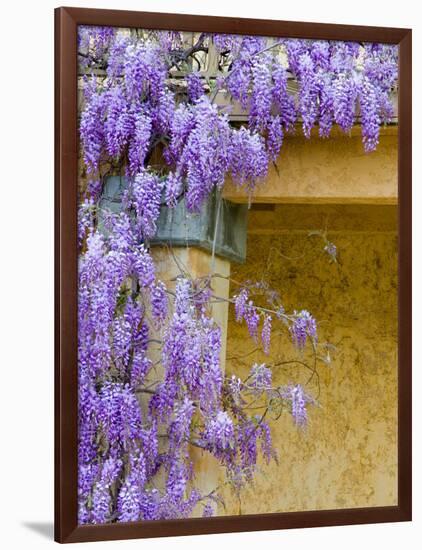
x: 330, y: 170
x: 347, y: 456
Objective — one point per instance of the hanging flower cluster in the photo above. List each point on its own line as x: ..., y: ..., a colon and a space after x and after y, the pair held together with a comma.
x: 151, y: 386
x: 138, y: 106
x: 337, y: 82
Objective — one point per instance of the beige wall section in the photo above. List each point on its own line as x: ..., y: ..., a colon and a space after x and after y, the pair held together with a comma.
x: 329, y: 170
x: 347, y: 457
x: 169, y: 264
x: 199, y: 263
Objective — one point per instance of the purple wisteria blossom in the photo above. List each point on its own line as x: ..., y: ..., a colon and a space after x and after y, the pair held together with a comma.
x: 130, y: 494
x: 275, y: 137
x: 159, y: 302
x: 260, y: 377
x: 252, y: 319
x: 225, y: 42
x: 174, y: 187
x: 205, y: 159
x: 182, y: 124
x: 141, y: 365
x: 266, y: 334
x: 308, y: 93
x: 208, y: 511
x: 92, y: 130
x: 240, y: 303
x: 93, y: 43
x: 298, y: 400
x: 101, y: 498
x: 195, y: 86
x: 370, y: 116
x: 248, y: 158
x: 146, y: 193
x: 345, y: 93
x: 219, y: 434
x: 85, y: 218
x: 261, y: 96
x: 302, y: 327
x: 143, y: 266
x: 119, y: 122
x: 140, y: 140
x: 331, y: 249
x: 151, y: 380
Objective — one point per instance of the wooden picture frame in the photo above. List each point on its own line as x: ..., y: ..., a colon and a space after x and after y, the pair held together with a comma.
x: 66, y: 143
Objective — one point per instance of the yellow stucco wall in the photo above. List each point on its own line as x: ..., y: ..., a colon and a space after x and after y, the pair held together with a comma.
x: 335, y: 170
x: 347, y: 457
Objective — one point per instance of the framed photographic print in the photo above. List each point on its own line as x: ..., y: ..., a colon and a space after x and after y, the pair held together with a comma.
x: 233, y: 275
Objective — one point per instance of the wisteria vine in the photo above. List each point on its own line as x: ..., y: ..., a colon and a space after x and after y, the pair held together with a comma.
x: 151, y: 384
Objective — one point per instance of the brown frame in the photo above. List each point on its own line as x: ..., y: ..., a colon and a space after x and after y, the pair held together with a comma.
x: 66, y: 525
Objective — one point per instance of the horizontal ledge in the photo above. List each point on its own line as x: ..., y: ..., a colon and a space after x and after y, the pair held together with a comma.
x: 303, y: 218
x: 275, y: 232
x: 243, y: 198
